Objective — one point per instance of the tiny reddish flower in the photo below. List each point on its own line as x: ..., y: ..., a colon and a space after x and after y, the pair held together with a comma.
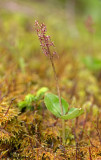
x: 45, y: 40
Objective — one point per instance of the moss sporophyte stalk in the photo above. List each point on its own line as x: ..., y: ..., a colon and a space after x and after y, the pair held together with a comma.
x: 55, y: 104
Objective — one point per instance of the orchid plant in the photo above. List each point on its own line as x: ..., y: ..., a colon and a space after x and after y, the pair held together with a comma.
x: 55, y: 104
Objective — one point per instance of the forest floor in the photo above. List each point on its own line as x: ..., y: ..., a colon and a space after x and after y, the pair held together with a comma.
x: 32, y: 132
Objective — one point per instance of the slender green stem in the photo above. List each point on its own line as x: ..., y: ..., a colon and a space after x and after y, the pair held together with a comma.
x: 63, y: 131
x: 59, y: 95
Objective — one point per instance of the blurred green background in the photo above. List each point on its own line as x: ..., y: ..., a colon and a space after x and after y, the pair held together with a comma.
x: 74, y: 25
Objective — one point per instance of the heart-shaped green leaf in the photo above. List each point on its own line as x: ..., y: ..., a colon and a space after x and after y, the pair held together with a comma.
x: 52, y: 104
x: 73, y: 113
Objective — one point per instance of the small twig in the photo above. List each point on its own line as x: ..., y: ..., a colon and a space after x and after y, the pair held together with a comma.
x: 90, y: 156
x: 5, y: 124
x: 97, y: 129
x: 84, y: 124
x: 91, y: 142
x: 98, y: 134
x: 76, y: 144
x: 7, y: 113
x: 9, y: 105
x: 1, y: 98
x: 76, y: 122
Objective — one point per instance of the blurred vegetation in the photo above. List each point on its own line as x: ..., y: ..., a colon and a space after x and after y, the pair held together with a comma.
x: 36, y: 134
